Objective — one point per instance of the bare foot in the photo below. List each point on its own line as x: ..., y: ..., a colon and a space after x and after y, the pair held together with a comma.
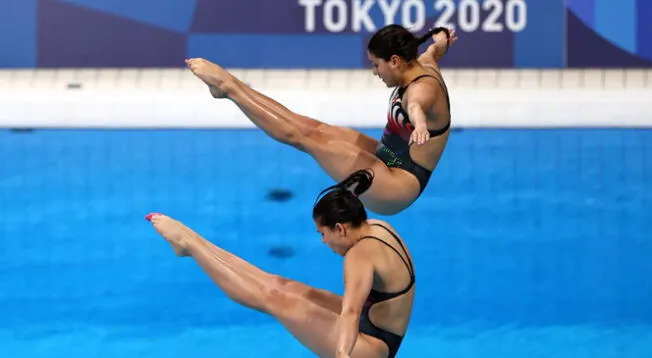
x: 173, y: 232
x: 213, y: 75
x: 216, y: 92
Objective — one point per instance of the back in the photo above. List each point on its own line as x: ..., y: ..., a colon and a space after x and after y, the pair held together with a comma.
x: 438, y: 118
x: 392, y: 297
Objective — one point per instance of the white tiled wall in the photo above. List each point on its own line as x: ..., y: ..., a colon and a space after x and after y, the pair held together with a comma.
x: 182, y: 79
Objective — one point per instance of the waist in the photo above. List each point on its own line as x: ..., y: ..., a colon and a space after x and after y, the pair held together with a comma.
x: 396, y: 143
x: 395, y: 152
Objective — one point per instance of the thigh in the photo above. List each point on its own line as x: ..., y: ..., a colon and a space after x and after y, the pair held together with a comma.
x: 310, y: 126
x: 319, y: 297
x: 307, y: 124
x: 392, y: 190
x: 351, y: 136
x: 317, y: 329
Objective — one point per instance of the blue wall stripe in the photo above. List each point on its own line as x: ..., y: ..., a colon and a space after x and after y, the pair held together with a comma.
x: 279, y: 51
x: 616, y: 21
x: 18, y: 33
x: 541, y: 43
x: 173, y: 15
x: 644, y: 40
x: 584, y: 9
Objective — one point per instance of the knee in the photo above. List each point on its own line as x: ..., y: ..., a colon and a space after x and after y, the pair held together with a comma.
x: 294, y: 138
x: 305, y: 137
x: 319, y: 130
x: 277, y: 295
x: 291, y: 287
x: 280, y: 283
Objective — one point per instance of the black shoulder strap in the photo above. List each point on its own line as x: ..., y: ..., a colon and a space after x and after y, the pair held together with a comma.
x: 408, y: 263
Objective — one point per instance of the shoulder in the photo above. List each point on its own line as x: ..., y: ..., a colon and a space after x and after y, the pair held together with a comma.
x: 376, y: 221
x: 360, y: 258
x: 365, y: 249
x: 361, y: 251
x: 387, y: 226
x: 379, y: 222
x: 432, y: 67
x: 423, y: 91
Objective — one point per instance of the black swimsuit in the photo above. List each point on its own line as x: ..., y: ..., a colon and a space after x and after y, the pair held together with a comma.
x: 392, y: 340
x: 393, y: 147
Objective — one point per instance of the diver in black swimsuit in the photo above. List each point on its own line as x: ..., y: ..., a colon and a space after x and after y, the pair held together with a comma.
x: 369, y: 321
x: 367, y: 326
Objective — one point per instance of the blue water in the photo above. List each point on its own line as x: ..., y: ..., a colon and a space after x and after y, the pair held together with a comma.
x: 527, y: 243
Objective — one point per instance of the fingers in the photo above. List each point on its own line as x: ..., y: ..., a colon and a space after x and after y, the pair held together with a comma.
x: 453, y: 38
x: 422, y: 138
x: 414, y: 138
x: 419, y: 138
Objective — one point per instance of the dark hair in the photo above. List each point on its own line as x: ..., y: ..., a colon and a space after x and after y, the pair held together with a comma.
x: 397, y: 40
x: 340, y: 203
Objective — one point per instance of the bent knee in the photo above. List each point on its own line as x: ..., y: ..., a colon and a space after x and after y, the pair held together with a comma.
x: 318, y: 132
x: 302, y: 139
x: 278, y: 297
x: 292, y: 137
x: 308, y: 139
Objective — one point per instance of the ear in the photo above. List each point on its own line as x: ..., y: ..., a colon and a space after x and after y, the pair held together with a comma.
x: 341, y: 229
x: 394, y: 60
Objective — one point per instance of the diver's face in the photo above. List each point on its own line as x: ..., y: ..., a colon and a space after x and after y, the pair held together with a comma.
x: 335, y: 238
x: 387, y: 71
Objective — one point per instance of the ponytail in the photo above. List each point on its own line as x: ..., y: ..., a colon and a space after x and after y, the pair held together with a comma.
x: 339, y: 203
x: 356, y: 183
x: 421, y: 40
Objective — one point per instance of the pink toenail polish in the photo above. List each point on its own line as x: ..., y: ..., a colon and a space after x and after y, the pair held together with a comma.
x: 149, y: 216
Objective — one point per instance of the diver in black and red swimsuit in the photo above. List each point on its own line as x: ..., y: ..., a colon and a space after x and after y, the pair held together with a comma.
x: 415, y: 135
x: 394, y: 146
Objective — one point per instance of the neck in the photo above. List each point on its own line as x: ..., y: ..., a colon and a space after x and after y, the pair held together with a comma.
x: 411, y: 73
x: 359, y: 232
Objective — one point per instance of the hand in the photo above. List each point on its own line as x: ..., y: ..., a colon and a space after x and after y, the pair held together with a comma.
x: 420, y: 135
x: 442, y: 38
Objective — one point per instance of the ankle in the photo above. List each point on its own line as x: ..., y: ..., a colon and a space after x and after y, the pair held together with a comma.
x: 229, y: 86
x: 190, y: 244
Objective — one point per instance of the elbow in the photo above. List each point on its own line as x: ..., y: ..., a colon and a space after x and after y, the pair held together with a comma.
x: 351, y: 311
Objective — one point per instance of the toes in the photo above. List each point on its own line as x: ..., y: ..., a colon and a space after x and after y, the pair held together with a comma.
x: 153, y: 217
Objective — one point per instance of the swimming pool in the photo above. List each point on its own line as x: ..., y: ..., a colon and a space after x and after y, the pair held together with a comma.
x: 527, y: 243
